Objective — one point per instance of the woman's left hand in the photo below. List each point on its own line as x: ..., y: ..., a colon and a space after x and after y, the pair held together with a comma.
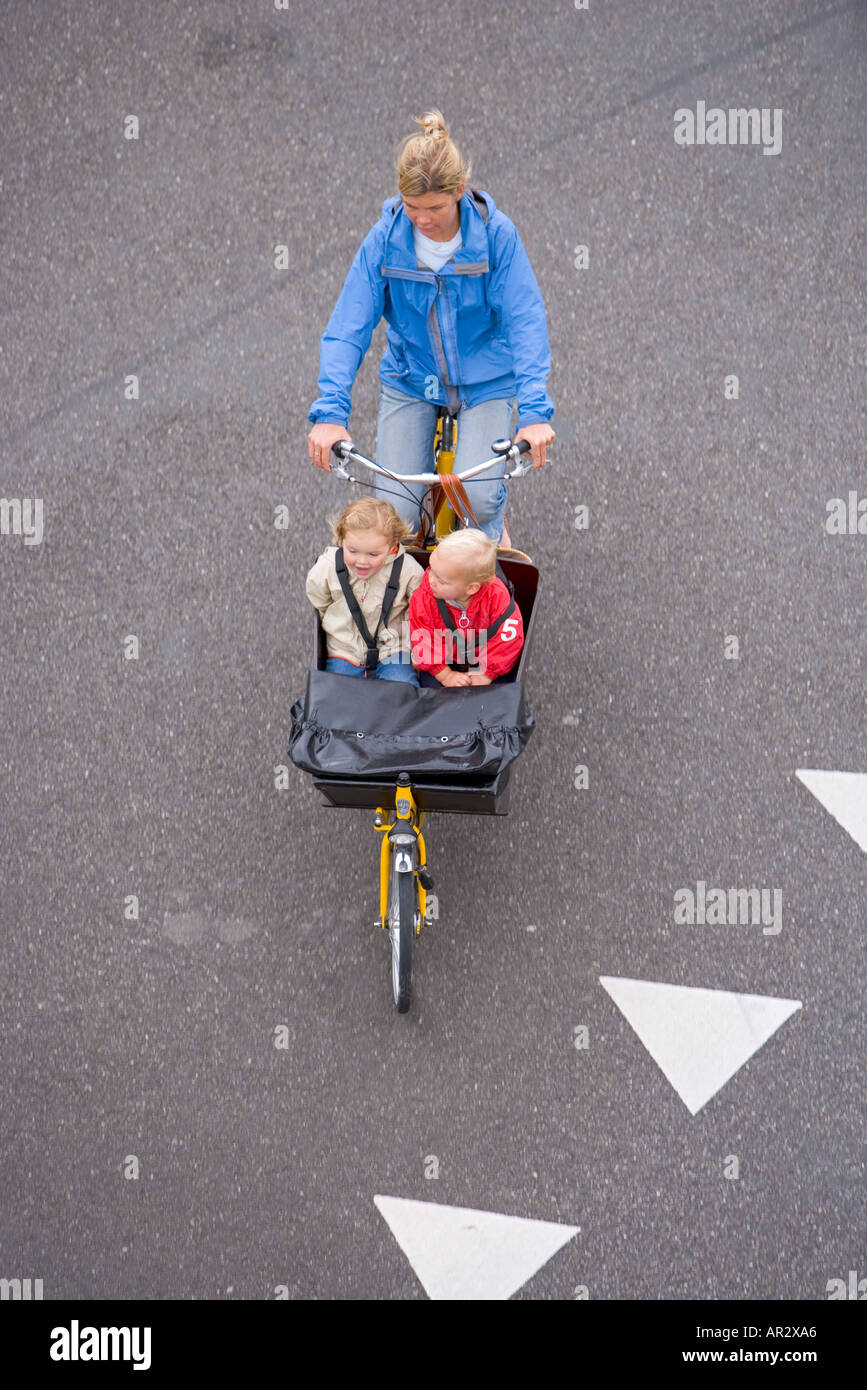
x: 538, y: 437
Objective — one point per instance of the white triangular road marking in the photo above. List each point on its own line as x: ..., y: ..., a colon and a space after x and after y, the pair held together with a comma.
x: 460, y: 1253
x: 698, y: 1037
x: 844, y: 795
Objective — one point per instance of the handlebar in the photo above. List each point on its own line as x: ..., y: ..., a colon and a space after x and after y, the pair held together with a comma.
x: 344, y: 450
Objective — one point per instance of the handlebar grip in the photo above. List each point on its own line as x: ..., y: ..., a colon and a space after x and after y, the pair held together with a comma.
x: 505, y: 446
x: 341, y: 447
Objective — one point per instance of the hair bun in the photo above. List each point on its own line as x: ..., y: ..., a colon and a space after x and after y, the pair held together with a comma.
x: 433, y: 126
x: 429, y: 161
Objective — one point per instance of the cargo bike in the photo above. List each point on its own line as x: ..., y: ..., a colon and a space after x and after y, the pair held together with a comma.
x: 404, y: 751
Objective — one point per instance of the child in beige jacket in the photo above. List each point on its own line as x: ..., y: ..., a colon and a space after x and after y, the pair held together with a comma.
x: 361, y: 588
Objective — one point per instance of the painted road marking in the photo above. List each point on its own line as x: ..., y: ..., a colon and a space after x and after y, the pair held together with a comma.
x: 461, y: 1253
x: 698, y: 1038
x: 844, y: 795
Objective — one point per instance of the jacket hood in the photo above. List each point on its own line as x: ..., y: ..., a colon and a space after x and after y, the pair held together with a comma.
x: 400, y: 248
x: 394, y: 198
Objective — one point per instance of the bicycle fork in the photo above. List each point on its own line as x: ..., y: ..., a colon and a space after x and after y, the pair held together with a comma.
x: 401, y: 828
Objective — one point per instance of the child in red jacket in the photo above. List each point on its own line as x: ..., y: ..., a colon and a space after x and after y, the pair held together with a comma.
x: 465, y: 628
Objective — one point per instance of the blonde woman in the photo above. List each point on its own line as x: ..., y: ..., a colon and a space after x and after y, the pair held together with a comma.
x: 465, y: 323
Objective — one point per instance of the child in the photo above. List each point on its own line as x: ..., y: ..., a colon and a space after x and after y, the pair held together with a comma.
x: 461, y: 594
x: 361, y: 589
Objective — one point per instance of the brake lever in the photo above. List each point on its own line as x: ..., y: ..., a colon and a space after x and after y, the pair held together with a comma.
x: 341, y: 449
x: 520, y: 451
x: 520, y: 469
x: 509, y: 449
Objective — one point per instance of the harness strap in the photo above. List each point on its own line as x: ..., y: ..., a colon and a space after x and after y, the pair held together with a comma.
x: 371, y: 659
x: 489, y: 631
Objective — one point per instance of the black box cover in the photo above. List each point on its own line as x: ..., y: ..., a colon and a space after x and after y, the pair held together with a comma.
x: 348, y: 726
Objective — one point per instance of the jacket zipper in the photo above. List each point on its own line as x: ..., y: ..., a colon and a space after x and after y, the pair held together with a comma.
x: 430, y: 277
x: 451, y: 392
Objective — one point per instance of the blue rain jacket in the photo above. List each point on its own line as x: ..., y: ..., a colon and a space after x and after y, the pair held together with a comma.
x: 471, y: 332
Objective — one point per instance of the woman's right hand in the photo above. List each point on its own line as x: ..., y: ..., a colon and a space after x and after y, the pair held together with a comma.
x: 320, y: 440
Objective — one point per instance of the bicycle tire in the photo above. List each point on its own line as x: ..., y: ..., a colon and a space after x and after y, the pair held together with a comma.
x: 401, y: 930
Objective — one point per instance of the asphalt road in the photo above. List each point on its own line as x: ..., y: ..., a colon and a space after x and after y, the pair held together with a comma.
x: 154, y: 1038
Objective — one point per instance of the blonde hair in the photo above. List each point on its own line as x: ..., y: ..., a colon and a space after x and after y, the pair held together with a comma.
x: 475, y: 552
x: 370, y: 514
x: 430, y: 162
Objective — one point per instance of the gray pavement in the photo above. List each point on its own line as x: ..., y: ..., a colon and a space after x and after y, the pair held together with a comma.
x: 155, y: 777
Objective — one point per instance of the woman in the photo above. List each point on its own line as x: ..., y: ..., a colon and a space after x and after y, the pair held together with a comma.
x: 465, y: 327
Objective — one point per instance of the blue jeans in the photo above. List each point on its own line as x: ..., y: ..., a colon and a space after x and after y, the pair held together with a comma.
x: 404, y: 444
x: 385, y: 671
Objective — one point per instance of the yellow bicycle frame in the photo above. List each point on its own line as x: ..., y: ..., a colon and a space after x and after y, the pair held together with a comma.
x: 445, y: 464
x: 405, y: 807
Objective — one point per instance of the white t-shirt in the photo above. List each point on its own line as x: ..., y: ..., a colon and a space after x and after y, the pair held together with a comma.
x: 434, y: 254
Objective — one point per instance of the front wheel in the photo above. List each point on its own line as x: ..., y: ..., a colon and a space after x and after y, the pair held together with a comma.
x: 401, y: 926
